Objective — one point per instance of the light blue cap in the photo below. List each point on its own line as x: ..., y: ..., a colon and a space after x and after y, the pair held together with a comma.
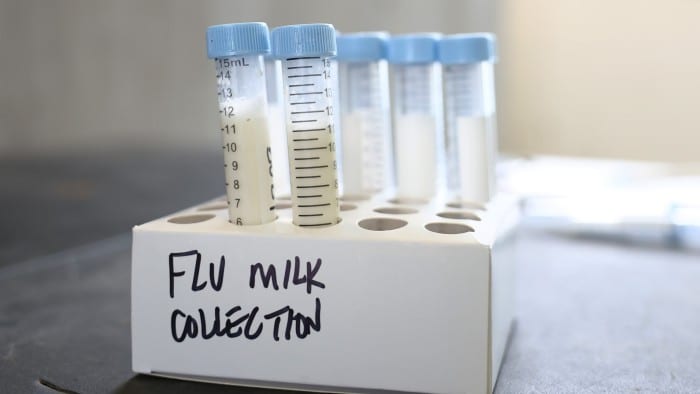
x: 467, y: 48
x: 316, y: 39
x: 237, y: 39
x: 362, y: 47
x: 413, y: 48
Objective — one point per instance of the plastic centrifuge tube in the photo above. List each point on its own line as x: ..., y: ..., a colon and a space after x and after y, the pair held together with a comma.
x: 337, y: 125
x: 365, y: 112
x: 470, y: 108
x: 305, y: 51
x: 417, y: 108
x: 238, y: 51
x: 278, y: 131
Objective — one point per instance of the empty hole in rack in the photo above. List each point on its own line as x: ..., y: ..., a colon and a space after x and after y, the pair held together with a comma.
x: 408, y: 201
x: 283, y: 205
x: 214, y: 207
x: 448, y: 228
x: 347, y: 207
x: 396, y: 210
x: 466, y: 215
x: 284, y: 198
x: 189, y: 219
x: 381, y: 224
x: 466, y: 205
x: 354, y: 197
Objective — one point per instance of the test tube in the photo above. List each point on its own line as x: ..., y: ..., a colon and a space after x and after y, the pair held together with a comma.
x: 278, y: 131
x: 470, y: 108
x: 365, y: 112
x: 337, y: 124
x: 238, y: 50
x: 417, y: 109
x: 305, y: 52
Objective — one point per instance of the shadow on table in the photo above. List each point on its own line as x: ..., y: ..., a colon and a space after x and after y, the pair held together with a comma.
x: 155, y: 385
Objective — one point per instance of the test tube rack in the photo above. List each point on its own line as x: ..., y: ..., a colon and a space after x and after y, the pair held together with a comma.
x: 395, y: 297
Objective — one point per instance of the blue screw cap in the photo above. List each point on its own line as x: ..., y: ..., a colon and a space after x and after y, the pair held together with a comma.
x: 316, y: 39
x: 237, y: 39
x: 413, y: 48
x: 362, y: 47
x: 467, y: 48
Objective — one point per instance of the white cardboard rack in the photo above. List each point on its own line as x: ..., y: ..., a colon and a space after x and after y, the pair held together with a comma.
x: 345, y: 309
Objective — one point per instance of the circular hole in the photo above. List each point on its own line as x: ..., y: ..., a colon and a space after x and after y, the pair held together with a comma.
x: 190, y: 219
x: 354, y: 197
x: 396, y: 210
x: 408, y: 201
x: 284, y: 198
x: 459, y: 215
x: 283, y: 205
x: 381, y: 224
x: 347, y: 207
x: 214, y: 207
x: 466, y: 205
x: 448, y: 228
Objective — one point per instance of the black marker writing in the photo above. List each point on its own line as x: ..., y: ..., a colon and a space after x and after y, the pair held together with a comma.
x: 303, y: 324
x: 269, y: 277
x: 286, y: 322
x: 183, y: 326
x: 266, y: 277
x: 215, y: 282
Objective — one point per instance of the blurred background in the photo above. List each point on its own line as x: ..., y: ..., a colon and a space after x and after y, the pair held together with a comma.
x: 596, y: 78
x: 108, y: 119
x: 110, y: 103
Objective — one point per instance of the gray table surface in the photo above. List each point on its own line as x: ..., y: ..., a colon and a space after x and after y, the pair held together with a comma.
x: 593, y: 316
x: 54, y: 202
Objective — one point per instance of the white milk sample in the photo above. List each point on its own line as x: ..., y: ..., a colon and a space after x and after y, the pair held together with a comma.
x: 353, y: 157
x: 247, y: 161
x: 278, y: 144
x: 491, y: 127
x: 492, y: 142
x: 416, y: 164
x: 375, y: 157
x: 364, y: 153
x: 474, y: 162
